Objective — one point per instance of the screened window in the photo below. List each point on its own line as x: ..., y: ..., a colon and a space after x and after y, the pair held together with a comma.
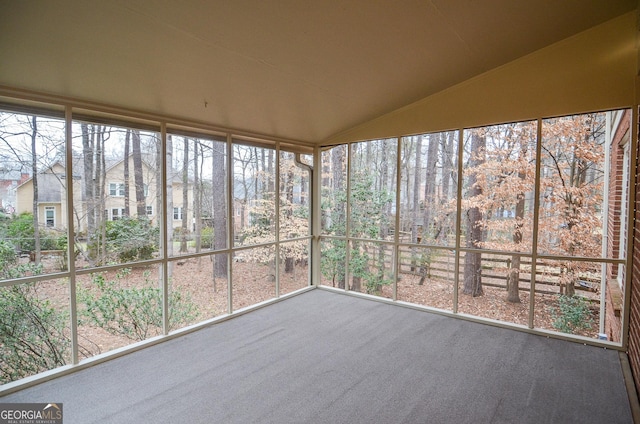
x: 518, y: 222
x: 123, y: 243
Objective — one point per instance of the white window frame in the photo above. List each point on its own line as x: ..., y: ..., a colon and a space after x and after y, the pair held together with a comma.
x: 116, y: 189
x: 116, y: 216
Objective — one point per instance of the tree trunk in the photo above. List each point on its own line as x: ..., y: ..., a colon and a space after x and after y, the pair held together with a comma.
x: 185, y: 197
x: 429, y: 202
x: 289, y: 261
x: 473, y: 274
x: 415, y: 213
x: 447, y: 166
x: 89, y: 178
x: 101, y: 166
x: 127, y: 210
x: 141, y: 209
x: 271, y: 187
x: 197, y: 196
x: 473, y: 260
x: 356, y: 279
x: 158, y: 212
x: 338, y: 215
x: 219, y: 178
x: 449, y: 180
x: 168, y: 222
x: 384, y: 226
x: 430, y: 186
x: 513, y: 279
x: 264, y: 186
x: 34, y: 172
x: 425, y: 266
x: 381, y: 268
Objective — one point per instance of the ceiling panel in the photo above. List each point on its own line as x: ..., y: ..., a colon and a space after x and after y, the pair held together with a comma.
x: 292, y: 69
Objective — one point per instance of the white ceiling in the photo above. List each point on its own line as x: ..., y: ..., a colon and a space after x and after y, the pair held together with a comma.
x: 297, y: 69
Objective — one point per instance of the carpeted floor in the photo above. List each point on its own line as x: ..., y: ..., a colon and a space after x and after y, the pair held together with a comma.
x: 324, y: 357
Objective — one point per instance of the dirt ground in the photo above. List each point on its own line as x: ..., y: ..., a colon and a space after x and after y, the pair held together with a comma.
x: 253, y: 283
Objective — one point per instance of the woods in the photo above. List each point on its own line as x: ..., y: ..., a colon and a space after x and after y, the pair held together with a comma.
x: 515, y: 188
x: 492, y: 222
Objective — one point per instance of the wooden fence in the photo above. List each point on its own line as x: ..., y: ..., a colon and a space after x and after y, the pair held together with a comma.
x: 440, y: 264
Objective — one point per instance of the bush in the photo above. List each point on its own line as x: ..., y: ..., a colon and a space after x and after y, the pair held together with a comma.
x: 180, y: 233
x: 572, y: 315
x: 7, y: 256
x: 20, y: 231
x: 206, y: 238
x: 32, y: 333
x: 132, y: 312
x: 51, y: 240
x: 9, y: 267
x: 131, y: 239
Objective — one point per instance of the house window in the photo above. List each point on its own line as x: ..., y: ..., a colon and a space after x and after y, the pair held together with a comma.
x: 50, y: 216
x: 145, y: 189
x: 177, y: 213
x: 149, y: 210
x: 117, y: 213
x: 116, y: 189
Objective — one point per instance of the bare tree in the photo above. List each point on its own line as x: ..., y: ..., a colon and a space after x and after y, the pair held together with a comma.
x: 127, y: 211
x: 287, y: 187
x: 338, y: 155
x: 34, y: 172
x: 473, y: 260
x: 185, y: 196
x: 218, y: 184
x: 169, y: 212
x: 197, y: 195
x: 141, y: 208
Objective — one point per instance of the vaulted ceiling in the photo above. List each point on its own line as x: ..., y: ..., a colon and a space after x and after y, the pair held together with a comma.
x: 301, y: 70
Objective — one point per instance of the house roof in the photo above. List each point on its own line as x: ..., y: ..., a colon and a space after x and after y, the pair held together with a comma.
x: 49, y: 185
x: 300, y: 70
x: 49, y: 170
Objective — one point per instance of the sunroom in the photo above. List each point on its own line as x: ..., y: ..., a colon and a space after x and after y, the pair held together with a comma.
x: 358, y: 204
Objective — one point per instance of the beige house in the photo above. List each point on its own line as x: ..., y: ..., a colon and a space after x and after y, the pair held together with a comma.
x: 52, y: 196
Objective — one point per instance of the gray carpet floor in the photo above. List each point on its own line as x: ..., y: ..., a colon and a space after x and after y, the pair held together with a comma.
x: 324, y: 357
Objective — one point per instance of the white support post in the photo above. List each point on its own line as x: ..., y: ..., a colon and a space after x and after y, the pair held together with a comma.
x: 71, y: 263
x: 316, y: 213
x: 276, y: 200
x: 396, y: 233
x: 229, y: 223
x: 347, y: 226
x: 456, y: 275
x: 605, y: 225
x: 164, y: 233
x: 536, y: 216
